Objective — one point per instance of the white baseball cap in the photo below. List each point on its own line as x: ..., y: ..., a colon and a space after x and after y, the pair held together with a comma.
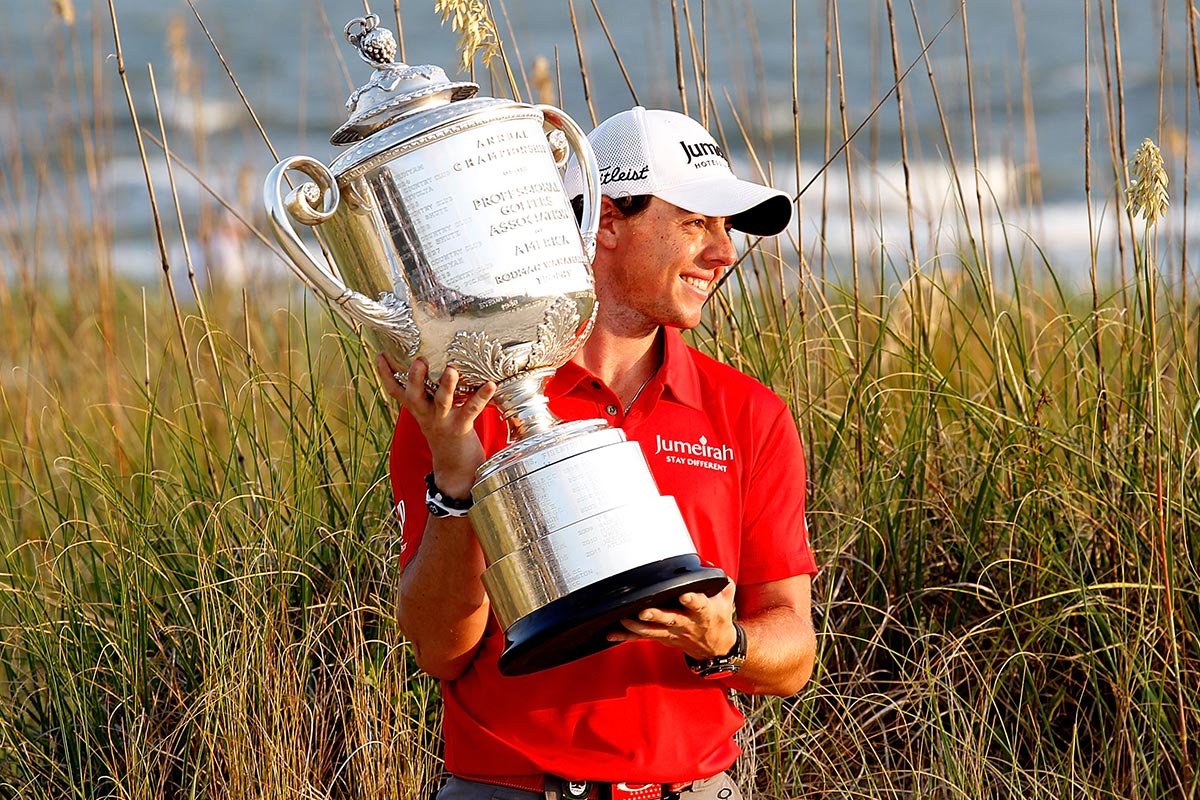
x: 671, y: 156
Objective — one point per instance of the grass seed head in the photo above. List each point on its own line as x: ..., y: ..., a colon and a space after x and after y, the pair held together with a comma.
x: 543, y: 82
x: 476, y: 31
x: 65, y: 9
x: 1147, y: 194
x: 182, y: 67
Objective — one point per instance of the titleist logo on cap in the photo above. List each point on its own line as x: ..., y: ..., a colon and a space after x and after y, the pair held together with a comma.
x: 701, y: 149
x: 615, y: 174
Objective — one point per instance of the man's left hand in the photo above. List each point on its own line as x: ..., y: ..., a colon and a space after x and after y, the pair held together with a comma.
x: 702, y: 626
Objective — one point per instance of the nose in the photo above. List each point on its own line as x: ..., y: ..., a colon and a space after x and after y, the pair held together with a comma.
x: 720, y: 251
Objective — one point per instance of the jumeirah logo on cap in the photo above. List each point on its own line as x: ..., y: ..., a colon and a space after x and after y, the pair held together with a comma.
x: 701, y: 149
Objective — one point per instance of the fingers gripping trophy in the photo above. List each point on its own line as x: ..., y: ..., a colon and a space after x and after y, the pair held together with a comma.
x: 452, y: 240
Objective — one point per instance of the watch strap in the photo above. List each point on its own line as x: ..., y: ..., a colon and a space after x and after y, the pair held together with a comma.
x: 719, y: 667
x: 442, y: 506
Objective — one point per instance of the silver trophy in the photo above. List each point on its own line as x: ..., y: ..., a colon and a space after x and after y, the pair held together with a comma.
x: 452, y: 240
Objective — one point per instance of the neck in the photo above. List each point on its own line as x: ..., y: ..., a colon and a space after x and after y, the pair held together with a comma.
x: 625, y: 363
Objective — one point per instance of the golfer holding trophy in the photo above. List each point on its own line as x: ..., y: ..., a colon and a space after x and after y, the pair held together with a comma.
x: 577, y: 486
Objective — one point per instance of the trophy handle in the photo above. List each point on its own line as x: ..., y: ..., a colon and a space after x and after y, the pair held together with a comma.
x: 299, y: 204
x: 579, y: 144
x: 390, y: 317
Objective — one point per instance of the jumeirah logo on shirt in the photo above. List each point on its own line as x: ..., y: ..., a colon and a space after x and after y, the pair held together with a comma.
x: 695, y: 454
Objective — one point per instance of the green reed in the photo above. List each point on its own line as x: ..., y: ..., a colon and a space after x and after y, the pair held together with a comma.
x: 197, y: 550
x: 210, y: 620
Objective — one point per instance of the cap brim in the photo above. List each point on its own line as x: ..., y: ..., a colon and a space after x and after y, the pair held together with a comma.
x: 750, y: 207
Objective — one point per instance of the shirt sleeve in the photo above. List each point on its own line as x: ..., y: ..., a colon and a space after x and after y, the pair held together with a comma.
x: 775, y: 530
x: 410, y: 461
x: 408, y: 464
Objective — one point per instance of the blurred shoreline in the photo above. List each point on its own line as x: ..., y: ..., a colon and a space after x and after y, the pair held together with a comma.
x: 296, y: 72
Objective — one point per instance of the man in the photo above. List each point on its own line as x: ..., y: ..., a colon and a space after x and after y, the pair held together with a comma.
x: 638, y: 719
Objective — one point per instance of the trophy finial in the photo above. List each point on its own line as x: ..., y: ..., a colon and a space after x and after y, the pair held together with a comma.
x: 375, y: 45
x: 395, y: 89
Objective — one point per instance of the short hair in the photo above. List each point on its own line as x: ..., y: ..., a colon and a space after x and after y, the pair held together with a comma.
x: 628, y: 205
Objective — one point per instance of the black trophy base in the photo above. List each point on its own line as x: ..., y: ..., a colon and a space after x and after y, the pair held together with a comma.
x: 576, y: 625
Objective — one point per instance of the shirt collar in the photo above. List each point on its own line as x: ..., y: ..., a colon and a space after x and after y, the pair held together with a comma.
x: 678, y: 374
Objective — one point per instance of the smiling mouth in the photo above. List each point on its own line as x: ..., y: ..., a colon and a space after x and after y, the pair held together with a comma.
x: 699, y: 283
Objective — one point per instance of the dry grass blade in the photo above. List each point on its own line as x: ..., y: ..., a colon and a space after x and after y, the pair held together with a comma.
x: 680, y: 82
x: 158, y: 227
x: 233, y: 79
x: 583, y: 75
x: 616, y: 53
x: 847, y: 140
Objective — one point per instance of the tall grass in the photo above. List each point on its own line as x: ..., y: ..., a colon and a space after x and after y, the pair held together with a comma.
x: 197, y: 550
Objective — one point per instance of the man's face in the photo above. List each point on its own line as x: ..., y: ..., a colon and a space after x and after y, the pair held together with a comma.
x: 663, y: 267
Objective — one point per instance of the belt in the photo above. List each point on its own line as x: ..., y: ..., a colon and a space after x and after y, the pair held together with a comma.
x: 589, y: 790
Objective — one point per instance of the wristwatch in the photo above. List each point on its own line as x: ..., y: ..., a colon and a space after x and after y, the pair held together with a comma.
x: 440, y: 505
x: 719, y: 667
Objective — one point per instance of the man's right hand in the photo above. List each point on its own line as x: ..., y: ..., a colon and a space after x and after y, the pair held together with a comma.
x: 449, y: 429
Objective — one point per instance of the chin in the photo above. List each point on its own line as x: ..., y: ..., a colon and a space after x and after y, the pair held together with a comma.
x: 685, y: 322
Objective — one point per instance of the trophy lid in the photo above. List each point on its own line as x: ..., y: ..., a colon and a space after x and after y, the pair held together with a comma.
x: 395, y: 89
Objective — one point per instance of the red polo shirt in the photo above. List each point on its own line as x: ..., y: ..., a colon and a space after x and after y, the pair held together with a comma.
x: 634, y: 712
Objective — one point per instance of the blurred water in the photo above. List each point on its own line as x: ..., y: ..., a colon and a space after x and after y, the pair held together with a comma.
x: 296, y: 73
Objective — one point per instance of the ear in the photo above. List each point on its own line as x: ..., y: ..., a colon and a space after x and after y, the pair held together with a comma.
x: 610, y: 217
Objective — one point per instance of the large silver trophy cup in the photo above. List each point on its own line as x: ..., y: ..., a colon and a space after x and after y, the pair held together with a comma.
x: 452, y: 240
